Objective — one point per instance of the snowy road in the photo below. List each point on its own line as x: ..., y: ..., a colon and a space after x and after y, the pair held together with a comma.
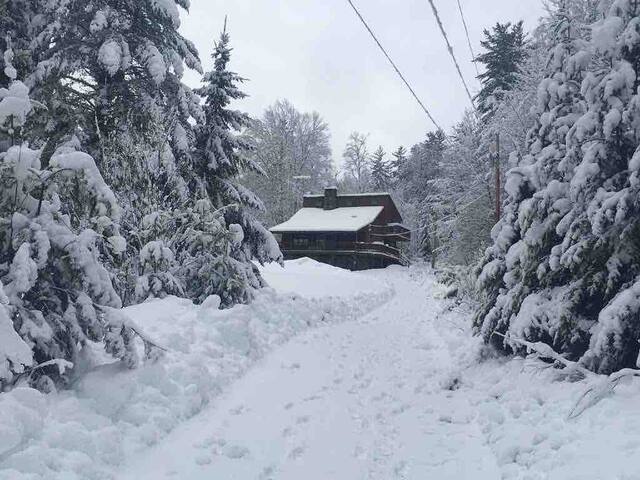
x: 371, y: 399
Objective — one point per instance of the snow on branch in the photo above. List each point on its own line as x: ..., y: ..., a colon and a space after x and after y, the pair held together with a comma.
x: 601, y: 390
x: 542, y: 350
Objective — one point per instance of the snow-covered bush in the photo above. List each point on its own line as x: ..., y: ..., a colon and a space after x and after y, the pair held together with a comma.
x: 156, y: 262
x: 189, y: 252
x: 206, y: 266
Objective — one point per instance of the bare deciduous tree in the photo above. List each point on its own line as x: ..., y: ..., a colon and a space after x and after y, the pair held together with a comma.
x: 357, y: 161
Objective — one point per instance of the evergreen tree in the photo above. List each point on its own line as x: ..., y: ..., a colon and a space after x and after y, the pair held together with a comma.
x: 399, y: 157
x: 380, y: 170
x: 505, y: 51
x: 565, y: 264
x: 460, y: 194
x: 414, y: 191
x: 106, y: 68
x: 110, y: 75
x: 223, y: 155
x: 422, y: 165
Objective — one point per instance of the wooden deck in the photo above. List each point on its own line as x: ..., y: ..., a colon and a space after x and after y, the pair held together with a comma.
x: 352, y: 255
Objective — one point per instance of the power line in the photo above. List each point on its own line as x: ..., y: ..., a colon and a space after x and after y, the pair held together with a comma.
x: 394, y: 65
x: 450, y: 49
x: 466, y: 31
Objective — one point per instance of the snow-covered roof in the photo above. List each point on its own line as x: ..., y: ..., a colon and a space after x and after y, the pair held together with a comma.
x: 344, y: 219
x: 370, y: 194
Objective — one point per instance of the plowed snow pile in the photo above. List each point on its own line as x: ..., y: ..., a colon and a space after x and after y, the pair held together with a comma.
x: 111, y: 413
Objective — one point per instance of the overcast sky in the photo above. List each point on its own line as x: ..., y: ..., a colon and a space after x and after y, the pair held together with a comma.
x: 317, y: 54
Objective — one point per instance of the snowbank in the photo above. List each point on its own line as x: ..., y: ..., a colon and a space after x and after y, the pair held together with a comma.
x: 312, y: 279
x: 112, y: 412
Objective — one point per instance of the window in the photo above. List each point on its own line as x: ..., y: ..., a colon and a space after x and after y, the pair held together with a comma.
x: 300, y: 243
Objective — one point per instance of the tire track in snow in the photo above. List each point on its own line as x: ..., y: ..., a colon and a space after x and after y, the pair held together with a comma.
x: 364, y: 400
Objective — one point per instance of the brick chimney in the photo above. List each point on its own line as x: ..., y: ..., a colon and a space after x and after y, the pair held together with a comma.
x: 330, y: 198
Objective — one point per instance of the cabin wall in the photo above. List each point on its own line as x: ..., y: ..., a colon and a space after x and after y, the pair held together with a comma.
x: 318, y: 240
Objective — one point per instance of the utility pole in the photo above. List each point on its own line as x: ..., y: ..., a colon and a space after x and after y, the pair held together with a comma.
x: 298, y: 180
x: 495, y: 150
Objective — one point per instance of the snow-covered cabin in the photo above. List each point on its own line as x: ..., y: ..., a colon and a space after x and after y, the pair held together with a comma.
x: 354, y: 231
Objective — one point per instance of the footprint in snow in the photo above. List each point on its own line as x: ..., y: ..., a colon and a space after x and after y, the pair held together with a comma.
x: 296, y: 452
x: 366, y: 383
x: 267, y: 473
x: 401, y: 469
x: 288, y: 406
x: 236, y: 451
x: 203, y: 459
x: 360, y: 453
x: 239, y: 410
x: 291, y: 366
x: 400, y: 409
x: 210, y: 442
x: 303, y: 419
x: 445, y: 418
x: 312, y: 398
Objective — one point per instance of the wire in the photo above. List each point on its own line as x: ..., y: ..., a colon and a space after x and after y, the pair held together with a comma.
x: 394, y: 66
x: 450, y: 49
x: 466, y: 31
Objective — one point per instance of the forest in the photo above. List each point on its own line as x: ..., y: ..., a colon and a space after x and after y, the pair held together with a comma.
x: 134, y: 227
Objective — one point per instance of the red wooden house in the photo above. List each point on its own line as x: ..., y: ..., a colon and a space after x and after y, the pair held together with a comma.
x: 354, y: 231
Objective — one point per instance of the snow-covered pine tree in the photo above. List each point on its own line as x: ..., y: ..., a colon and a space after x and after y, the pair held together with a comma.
x: 114, y: 68
x: 222, y: 156
x: 54, y: 222
x: 110, y: 73
x: 565, y: 264
x: 517, y: 262
x: 380, y: 170
x: 601, y: 232
x: 414, y: 190
x: 13, y: 23
x: 461, y: 194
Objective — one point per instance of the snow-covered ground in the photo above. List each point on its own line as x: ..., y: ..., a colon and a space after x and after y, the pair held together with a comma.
x: 111, y: 413
x: 387, y: 383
